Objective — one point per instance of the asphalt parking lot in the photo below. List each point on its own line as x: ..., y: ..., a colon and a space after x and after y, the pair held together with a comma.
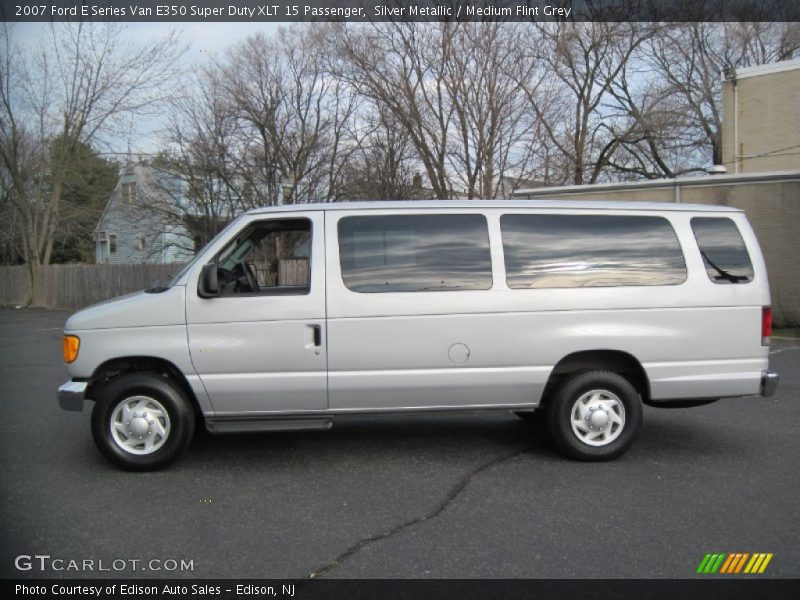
x: 429, y: 497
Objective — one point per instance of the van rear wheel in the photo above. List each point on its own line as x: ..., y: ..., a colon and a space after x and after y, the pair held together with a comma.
x: 594, y: 416
x: 142, y: 421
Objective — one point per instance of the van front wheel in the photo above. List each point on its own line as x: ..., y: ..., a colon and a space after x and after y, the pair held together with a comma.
x: 142, y: 421
x: 594, y: 416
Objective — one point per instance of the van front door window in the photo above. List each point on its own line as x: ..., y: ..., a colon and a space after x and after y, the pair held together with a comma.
x: 271, y: 257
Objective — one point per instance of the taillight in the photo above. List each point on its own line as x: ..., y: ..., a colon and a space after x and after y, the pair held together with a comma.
x: 766, y: 325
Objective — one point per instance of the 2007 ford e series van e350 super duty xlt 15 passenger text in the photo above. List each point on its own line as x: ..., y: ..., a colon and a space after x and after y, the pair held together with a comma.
x: 578, y: 312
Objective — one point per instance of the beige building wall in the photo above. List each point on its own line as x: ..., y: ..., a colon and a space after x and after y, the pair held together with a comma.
x: 761, y: 119
x: 772, y: 204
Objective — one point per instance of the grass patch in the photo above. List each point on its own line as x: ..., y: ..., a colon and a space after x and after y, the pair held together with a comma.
x: 789, y: 332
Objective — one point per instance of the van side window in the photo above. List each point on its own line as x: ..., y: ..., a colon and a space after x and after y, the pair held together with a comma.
x: 415, y: 253
x: 722, y: 248
x: 565, y: 251
x: 268, y: 257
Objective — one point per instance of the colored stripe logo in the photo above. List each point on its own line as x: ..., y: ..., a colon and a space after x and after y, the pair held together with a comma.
x: 735, y: 562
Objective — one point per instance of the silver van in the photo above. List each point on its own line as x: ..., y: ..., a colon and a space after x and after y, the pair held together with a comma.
x: 576, y: 312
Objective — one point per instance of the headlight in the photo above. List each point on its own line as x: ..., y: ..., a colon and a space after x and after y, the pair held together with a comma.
x: 72, y: 344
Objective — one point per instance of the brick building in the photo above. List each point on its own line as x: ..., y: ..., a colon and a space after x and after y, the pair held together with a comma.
x: 761, y: 124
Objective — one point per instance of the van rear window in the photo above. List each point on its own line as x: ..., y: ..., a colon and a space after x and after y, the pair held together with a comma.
x: 722, y: 248
x: 415, y: 253
x: 566, y: 251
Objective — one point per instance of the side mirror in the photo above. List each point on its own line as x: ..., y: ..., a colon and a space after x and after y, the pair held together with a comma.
x: 208, y: 286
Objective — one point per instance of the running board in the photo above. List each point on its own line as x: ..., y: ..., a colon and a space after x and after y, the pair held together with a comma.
x: 256, y: 424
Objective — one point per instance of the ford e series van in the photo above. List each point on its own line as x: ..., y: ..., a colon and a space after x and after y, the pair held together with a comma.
x: 575, y: 312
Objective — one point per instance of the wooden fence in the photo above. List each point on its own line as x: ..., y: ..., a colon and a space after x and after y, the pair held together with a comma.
x: 75, y: 286
x: 293, y: 271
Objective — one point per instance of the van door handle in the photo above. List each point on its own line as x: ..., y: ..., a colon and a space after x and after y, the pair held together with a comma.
x: 317, y: 335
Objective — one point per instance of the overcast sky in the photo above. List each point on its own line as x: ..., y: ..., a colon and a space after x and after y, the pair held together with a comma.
x: 203, y: 38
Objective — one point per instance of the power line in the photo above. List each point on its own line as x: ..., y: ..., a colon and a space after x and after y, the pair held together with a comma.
x: 763, y: 154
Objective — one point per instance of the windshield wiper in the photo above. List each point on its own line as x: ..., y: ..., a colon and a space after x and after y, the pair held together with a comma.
x: 157, y: 288
x: 723, y: 274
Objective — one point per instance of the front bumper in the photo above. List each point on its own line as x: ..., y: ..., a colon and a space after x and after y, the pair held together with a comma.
x: 769, y: 382
x: 72, y: 394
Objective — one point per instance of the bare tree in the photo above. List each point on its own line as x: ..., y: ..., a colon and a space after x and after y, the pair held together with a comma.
x: 483, y: 77
x: 71, y: 87
x: 293, y: 116
x: 193, y: 185
x: 402, y: 67
x: 689, y: 59
x: 383, y: 167
x: 263, y: 124
x: 651, y: 133
x: 10, y: 250
x: 455, y: 88
x: 583, y: 61
x: 643, y: 98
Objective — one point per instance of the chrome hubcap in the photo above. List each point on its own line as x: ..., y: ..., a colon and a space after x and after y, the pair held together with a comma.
x: 140, y: 425
x: 598, y: 417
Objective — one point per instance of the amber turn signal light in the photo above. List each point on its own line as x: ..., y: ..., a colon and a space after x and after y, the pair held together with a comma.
x: 72, y: 344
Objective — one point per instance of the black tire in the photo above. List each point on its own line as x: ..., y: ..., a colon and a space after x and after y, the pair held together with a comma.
x: 560, y: 411
x: 531, y: 416
x: 181, y: 420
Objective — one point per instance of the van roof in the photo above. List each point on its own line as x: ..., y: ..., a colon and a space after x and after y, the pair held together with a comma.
x: 537, y: 204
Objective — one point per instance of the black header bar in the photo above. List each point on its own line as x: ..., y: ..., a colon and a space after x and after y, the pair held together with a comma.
x: 285, y: 11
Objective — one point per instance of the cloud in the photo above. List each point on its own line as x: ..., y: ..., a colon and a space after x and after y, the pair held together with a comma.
x: 204, y: 38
